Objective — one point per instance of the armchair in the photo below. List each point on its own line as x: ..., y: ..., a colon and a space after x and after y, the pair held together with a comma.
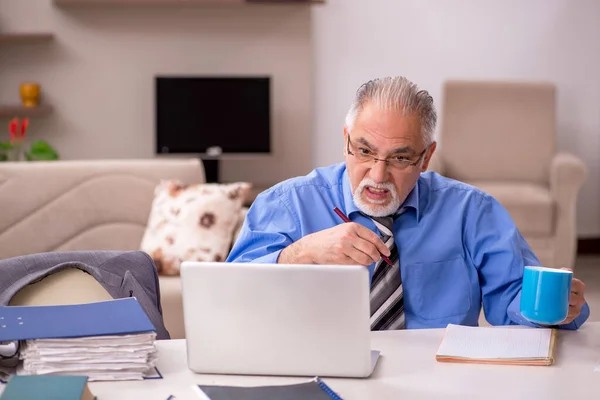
x: 501, y: 138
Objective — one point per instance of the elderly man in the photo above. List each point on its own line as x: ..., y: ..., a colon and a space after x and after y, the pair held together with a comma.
x: 453, y: 248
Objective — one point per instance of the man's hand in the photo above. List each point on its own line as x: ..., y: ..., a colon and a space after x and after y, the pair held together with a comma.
x: 345, y: 244
x: 576, y: 299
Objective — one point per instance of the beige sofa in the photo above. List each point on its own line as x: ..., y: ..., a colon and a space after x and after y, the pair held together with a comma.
x: 501, y: 138
x: 89, y: 205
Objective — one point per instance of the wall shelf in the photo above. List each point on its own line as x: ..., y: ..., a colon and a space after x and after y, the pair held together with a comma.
x: 15, y: 37
x: 67, y: 3
x: 11, y: 111
x: 284, y: 1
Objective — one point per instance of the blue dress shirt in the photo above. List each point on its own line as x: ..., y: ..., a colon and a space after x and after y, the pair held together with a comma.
x: 459, y: 248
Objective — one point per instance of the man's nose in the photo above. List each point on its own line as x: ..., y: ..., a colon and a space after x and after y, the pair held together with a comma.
x: 378, y: 171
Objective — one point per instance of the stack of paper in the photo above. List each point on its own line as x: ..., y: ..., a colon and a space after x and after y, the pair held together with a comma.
x: 110, y: 340
x: 128, y: 357
x: 498, y: 345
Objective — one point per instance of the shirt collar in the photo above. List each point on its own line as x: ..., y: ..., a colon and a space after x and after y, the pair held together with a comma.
x: 412, y: 200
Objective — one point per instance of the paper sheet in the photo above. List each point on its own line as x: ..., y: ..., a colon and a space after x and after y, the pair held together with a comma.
x: 100, y: 358
x: 374, y: 358
x: 495, y: 343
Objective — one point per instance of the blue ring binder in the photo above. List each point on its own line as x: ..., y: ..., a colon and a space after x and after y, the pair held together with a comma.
x: 328, y: 390
x: 311, y: 389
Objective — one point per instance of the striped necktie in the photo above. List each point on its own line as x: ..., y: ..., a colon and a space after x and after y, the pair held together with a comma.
x: 387, y: 300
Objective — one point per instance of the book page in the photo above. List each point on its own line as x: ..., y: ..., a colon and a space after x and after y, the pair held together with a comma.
x: 495, y: 342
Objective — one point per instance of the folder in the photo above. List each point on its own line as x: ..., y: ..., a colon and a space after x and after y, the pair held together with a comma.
x: 510, y: 345
x: 113, y: 317
x: 47, y: 388
x: 315, y: 389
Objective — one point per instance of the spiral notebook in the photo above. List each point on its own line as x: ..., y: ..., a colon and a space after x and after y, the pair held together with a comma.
x: 315, y: 389
x: 498, y: 345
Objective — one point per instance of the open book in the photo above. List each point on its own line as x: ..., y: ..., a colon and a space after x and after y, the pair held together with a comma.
x: 498, y: 345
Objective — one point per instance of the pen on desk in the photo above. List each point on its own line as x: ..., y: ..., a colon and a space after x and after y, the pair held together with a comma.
x: 346, y: 219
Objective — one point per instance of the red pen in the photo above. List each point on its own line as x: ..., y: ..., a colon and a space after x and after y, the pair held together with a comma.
x: 346, y: 219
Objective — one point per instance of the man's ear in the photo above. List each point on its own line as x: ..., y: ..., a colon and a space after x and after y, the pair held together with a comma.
x: 345, y: 137
x: 428, y: 156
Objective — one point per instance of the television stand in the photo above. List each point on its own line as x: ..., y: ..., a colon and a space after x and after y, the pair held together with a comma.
x: 211, y: 169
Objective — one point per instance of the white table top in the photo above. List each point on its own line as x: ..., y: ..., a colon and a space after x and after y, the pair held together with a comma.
x: 407, y: 369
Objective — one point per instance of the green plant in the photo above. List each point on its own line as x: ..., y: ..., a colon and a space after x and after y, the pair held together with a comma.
x: 5, y: 149
x: 41, y: 150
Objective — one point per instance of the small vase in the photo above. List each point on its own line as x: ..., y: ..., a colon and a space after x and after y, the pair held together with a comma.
x: 30, y: 94
x: 14, y: 154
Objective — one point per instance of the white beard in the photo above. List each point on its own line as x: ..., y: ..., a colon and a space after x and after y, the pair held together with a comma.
x: 374, y: 208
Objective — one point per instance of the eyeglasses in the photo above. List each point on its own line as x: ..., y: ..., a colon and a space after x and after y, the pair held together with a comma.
x: 363, y: 155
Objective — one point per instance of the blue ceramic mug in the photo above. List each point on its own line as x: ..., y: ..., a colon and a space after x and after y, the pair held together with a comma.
x: 545, y: 295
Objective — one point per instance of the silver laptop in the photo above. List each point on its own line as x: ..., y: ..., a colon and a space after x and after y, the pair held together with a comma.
x: 277, y: 319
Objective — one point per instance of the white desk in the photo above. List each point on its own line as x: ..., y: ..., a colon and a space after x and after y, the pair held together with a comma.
x: 406, y: 370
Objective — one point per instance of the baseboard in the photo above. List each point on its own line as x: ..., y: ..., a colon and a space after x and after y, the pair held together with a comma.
x: 588, y: 246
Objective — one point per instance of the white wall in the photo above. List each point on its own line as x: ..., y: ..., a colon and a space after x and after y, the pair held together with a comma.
x: 99, y: 73
x: 434, y: 40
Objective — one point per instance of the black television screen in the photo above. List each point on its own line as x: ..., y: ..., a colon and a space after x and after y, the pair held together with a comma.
x: 196, y: 114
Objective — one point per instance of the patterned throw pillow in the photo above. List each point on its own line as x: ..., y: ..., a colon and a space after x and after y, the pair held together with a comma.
x: 192, y: 223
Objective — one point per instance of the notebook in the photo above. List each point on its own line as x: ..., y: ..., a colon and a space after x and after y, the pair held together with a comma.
x: 47, y: 388
x: 315, y: 389
x: 498, y: 345
x: 113, y: 317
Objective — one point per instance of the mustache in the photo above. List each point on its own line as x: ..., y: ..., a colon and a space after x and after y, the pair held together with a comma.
x: 369, y: 182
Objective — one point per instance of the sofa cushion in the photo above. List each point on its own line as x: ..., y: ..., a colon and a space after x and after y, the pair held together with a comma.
x: 192, y: 223
x: 530, y: 206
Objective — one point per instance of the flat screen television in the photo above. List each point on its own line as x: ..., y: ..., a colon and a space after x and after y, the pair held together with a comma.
x: 213, y: 115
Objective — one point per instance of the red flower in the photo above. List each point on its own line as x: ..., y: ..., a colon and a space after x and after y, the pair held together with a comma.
x: 13, y: 128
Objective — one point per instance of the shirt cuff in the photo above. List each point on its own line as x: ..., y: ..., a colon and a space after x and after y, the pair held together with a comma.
x: 270, y: 258
x: 514, y: 313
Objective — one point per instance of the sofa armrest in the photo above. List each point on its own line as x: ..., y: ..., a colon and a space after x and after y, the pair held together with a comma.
x: 436, y: 164
x: 567, y: 175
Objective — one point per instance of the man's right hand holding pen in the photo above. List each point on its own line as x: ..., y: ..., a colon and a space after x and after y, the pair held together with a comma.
x: 345, y: 244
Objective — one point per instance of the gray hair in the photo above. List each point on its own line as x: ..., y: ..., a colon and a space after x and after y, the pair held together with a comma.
x: 396, y: 93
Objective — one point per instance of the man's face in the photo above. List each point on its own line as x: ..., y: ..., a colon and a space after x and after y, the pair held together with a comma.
x: 379, y: 188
